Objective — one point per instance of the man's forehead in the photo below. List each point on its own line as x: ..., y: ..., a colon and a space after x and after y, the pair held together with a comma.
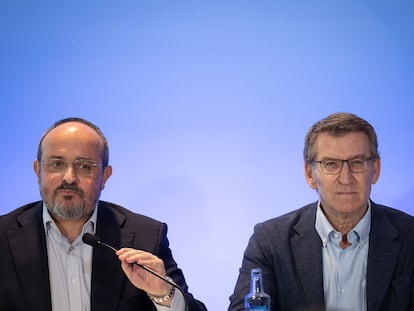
x: 328, y: 136
x: 72, y: 134
x: 350, y: 144
x: 71, y: 128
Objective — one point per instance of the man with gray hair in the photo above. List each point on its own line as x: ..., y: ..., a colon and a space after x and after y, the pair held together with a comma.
x: 343, y: 252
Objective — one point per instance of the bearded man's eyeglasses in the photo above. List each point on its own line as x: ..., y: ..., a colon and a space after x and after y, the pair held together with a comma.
x: 81, y: 167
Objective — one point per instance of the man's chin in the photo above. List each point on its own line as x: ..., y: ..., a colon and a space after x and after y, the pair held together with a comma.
x: 68, y: 201
x: 67, y: 211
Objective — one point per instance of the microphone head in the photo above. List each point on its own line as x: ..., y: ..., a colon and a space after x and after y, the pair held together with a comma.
x: 91, y: 239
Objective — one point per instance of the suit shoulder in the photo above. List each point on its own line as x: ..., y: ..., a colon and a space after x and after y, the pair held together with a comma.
x: 129, y: 215
x: 21, y: 209
x: 401, y: 220
x: 289, y: 220
x: 24, y: 213
x: 291, y: 216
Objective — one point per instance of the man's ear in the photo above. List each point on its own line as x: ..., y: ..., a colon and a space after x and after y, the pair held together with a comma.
x: 377, y: 169
x: 36, y: 168
x: 309, y: 175
x: 106, y: 174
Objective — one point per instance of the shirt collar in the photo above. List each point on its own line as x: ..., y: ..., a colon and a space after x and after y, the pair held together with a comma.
x: 89, y: 226
x: 324, y: 227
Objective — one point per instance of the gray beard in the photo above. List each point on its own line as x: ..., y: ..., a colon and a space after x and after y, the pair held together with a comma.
x: 67, y: 213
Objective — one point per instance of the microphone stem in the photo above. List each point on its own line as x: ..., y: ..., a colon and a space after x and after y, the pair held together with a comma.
x: 153, y: 273
x: 142, y: 266
x: 108, y: 246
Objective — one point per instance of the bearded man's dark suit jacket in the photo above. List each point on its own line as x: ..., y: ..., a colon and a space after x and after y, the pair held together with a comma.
x: 24, y: 284
x: 289, y: 251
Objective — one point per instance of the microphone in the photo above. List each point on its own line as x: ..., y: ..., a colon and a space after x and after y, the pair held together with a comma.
x: 94, y: 240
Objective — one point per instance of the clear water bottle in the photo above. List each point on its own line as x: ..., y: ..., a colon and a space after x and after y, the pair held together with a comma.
x: 257, y: 299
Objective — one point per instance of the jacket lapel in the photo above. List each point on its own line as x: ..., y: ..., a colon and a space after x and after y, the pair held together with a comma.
x: 108, y: 280
x: 382, y: 257
x: 28, y: 247
x: 307, y: 251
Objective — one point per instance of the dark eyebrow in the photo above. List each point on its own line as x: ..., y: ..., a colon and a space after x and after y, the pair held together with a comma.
x: 63, y: 159
x: 85, y: 159
x: 362, y: 155
x: 55, y: 158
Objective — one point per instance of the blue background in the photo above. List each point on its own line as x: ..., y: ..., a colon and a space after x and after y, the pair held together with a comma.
x: 205, y: 105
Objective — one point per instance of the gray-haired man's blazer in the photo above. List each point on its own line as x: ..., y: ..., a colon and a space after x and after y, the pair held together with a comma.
x: 289, y: 251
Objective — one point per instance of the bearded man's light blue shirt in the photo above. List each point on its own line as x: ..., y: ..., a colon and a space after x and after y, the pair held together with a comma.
x: 70, y: 269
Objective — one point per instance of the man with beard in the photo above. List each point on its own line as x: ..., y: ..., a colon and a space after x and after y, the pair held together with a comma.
x: 44, y: 265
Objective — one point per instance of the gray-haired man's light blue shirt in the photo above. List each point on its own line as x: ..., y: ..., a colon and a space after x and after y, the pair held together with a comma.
x: 344, y: 270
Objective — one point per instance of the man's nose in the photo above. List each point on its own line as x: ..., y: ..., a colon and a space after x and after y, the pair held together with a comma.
x: 69, y: 173
x: 345, y: 175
